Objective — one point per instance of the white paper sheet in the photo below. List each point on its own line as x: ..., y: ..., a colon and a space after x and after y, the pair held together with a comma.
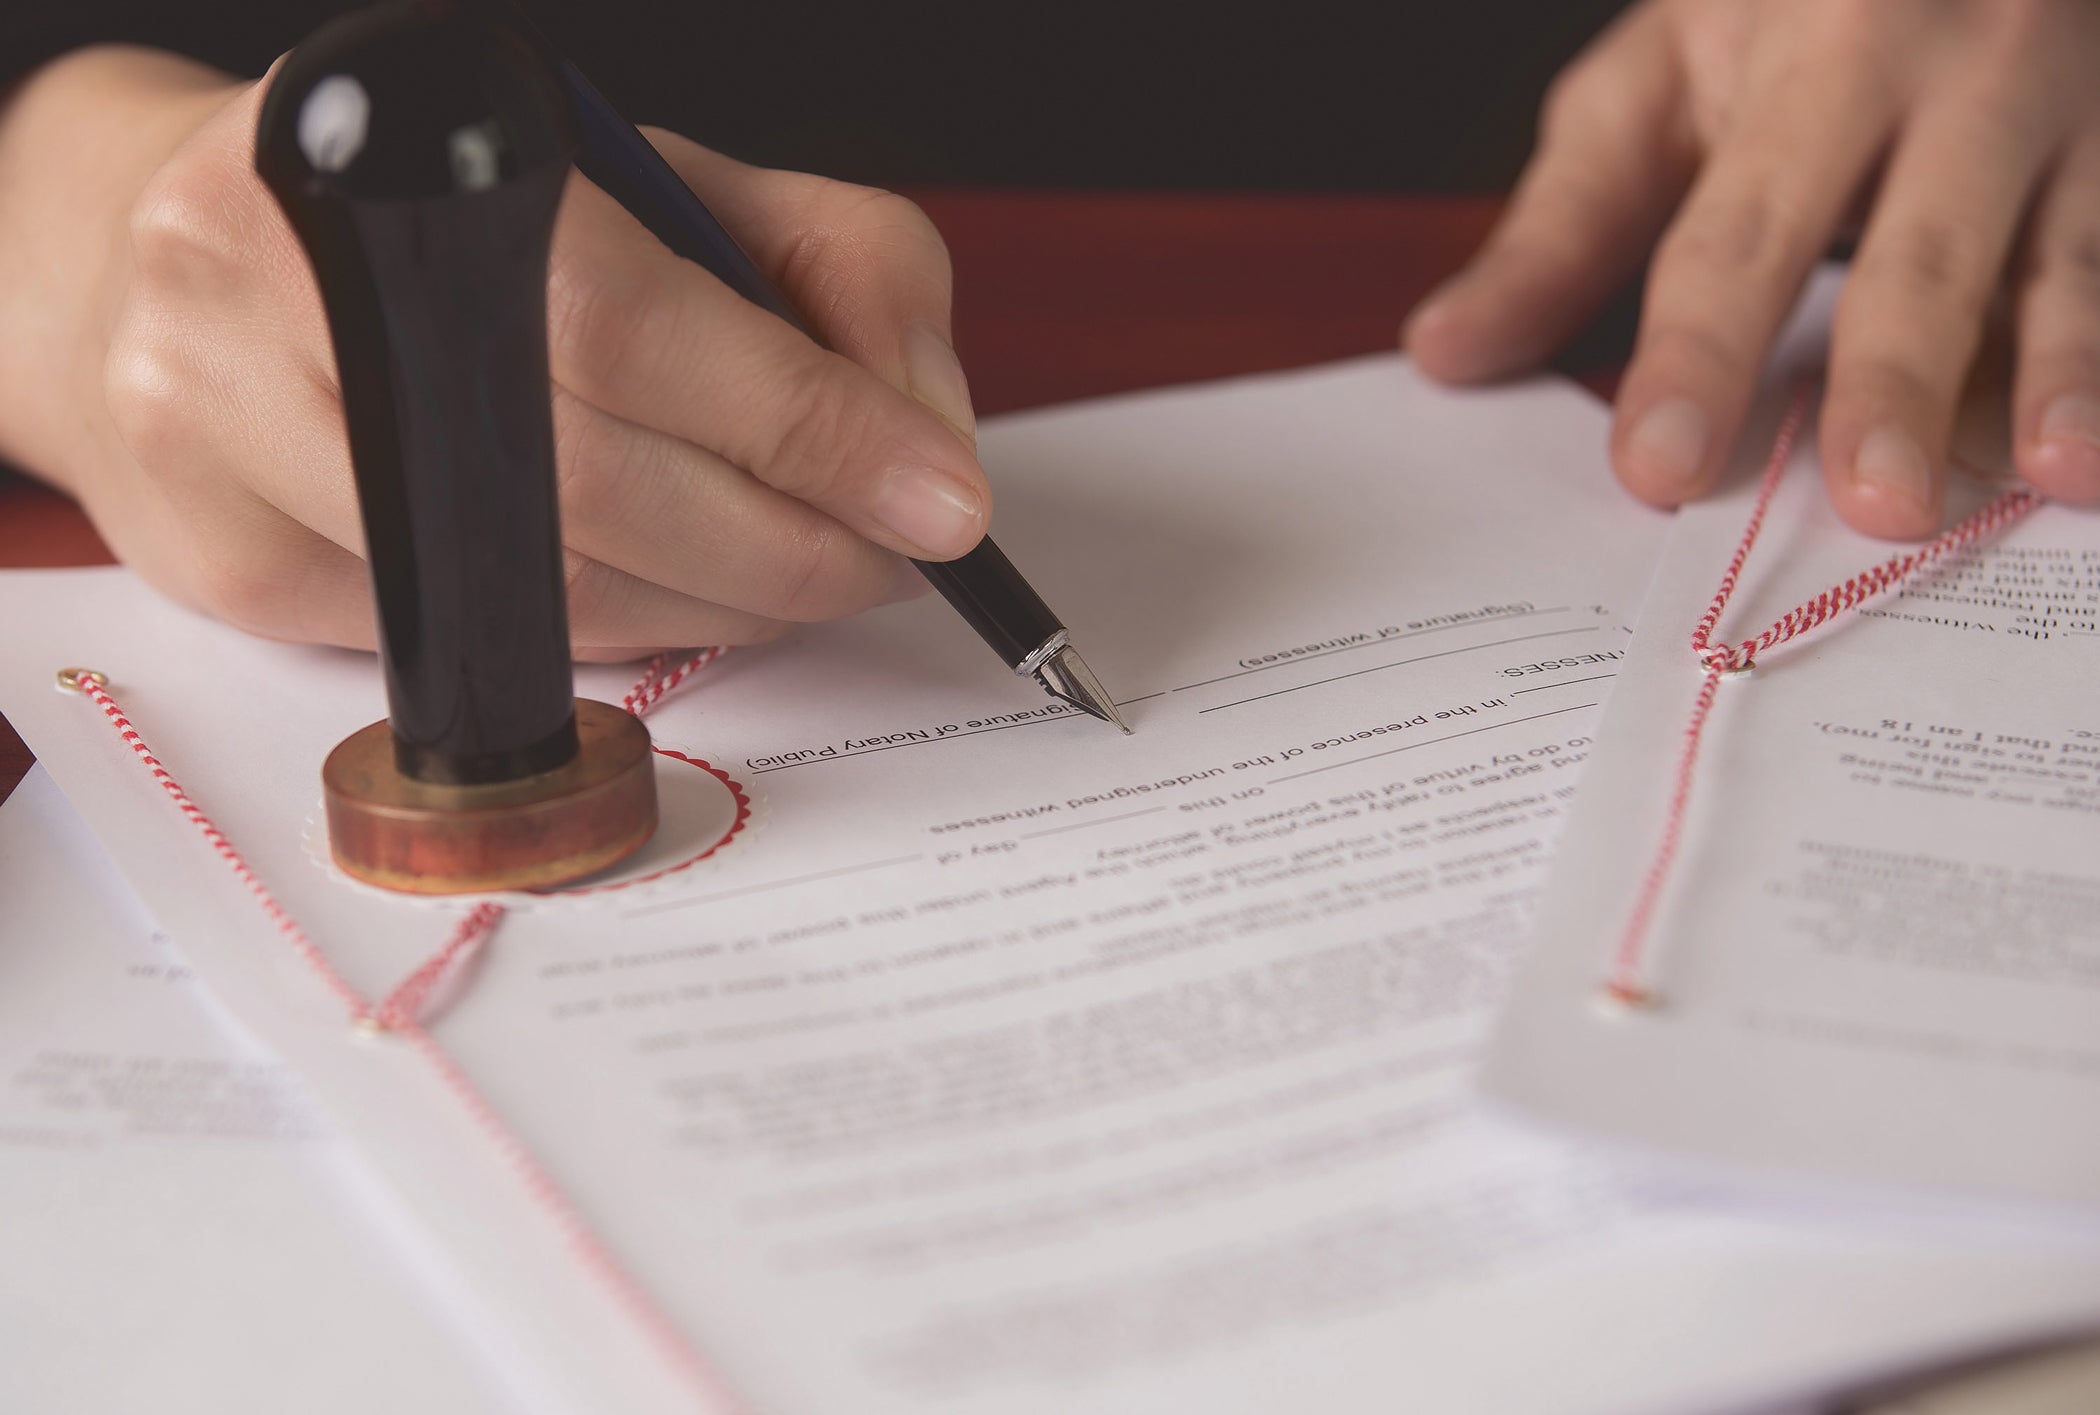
x: 179, y: 1232
x: 1005, y: 1064
x: 1879, y: 952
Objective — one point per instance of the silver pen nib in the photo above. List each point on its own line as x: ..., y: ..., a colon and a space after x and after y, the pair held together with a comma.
x: 1064, y: 674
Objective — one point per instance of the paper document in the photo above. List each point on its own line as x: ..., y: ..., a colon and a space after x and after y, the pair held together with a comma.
x: 1002, y: 1063
x: 1878, y: 956
x: 178, y: 1229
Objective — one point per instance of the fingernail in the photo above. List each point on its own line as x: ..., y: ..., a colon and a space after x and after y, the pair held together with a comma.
x: 2071, y: 441
x: 1891, y: 461
x: 936, y: 378
x: 1668, y: 445
x: 930, y: 510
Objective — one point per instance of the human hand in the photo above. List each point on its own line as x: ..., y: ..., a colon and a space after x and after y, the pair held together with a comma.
x: 1735, y: 137
x: 720, y: 475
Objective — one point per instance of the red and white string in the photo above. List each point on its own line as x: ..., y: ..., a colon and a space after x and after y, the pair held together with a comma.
x: 654, y: 684
x: 403, y: 1012
x: 1628, y: 983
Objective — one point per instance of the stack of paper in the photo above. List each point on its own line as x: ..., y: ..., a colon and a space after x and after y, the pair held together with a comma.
x: 1003, y: 1064
x: 1878, y: 957
x: 182, y: 1232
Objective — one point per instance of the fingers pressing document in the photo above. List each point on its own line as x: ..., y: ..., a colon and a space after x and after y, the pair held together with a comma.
x: 1954, y: 124
x: 2056, y: 390
x: 1615, y: 154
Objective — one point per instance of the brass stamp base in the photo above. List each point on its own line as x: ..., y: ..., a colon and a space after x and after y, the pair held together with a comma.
x: 421, y: 837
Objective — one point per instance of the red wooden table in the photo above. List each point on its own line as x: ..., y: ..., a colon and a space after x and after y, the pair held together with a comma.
x: 1067, y: 295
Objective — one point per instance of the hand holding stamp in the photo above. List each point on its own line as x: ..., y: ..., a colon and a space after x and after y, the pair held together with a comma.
x: 420, y: 157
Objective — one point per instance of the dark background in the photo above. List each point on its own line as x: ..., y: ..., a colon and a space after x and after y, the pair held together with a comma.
x: 1334, y: 95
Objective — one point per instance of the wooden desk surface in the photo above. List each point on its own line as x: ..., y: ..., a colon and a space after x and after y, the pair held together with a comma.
x: 1070, y: 295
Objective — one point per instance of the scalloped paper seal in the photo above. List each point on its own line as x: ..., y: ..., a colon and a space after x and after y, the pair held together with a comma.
x: 701, y: 810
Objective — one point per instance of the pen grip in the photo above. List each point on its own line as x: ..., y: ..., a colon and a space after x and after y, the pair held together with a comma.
x: 983, y: 586
x: 989, y: 593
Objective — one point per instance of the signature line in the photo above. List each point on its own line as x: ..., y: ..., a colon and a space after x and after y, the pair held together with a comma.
x: 1372, y: 643
x: 1084, y: 825
x: 1430, y: 742
x: 952, y: 736
x: 1565, y: 683
x: 1396, y: 663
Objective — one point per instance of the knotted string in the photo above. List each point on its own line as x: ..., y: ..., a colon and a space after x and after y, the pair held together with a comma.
x: 1627, y: 983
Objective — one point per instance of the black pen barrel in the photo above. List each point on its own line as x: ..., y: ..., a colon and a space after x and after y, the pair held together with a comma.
x: 989, y: 593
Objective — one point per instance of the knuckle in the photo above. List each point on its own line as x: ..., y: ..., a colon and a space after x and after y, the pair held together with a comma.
x: 584, y: 652
x: 853, y: 237
x: 188, y: 219
x: 797, y: 569
x: 590, y: 591
x: 812, y: 576
x: 600, y: 322
x: 2075, y: 364
x: 1858, y: 26
x: 1602, y: 80
x: 248, y: 585
x: 2027, y: 26
x: 153, y: 394
x: 1858, y: 44
x: 1708, y: 351
x: 1750, y: 230
x: 591, y: 461
x: 1561, y: 217
x: 2012, y: 118
x: 817, y: 442
x: 1570, y: 98
x: 899, y: 221
x: 728, y: 627
x: 754, y: 630
x: 2078, y: 258
x: 578, y: 575
x: 822, y: 265
x: 1881, y: 378
x: 1937, y: 258
x: 834, y: 211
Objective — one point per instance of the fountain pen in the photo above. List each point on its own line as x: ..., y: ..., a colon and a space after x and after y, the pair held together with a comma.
x: 983, y: 586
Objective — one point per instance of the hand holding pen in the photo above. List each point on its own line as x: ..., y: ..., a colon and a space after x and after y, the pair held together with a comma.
x: 723, y: 475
